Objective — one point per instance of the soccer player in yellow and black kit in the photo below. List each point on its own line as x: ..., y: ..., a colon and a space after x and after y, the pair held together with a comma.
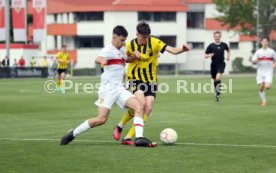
x: 141, y: 74
x: 63, y: 60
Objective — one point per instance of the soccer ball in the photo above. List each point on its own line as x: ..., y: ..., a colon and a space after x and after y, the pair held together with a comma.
x: 168, y: 136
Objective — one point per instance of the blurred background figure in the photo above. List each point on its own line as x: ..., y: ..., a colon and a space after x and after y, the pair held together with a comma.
x: 33, y: 62
x: 62, y: 59
x: 6, y: 62
x: 21, y: 62
x: 14, y: 63
x: 52, y: 67
x: 44, y: 62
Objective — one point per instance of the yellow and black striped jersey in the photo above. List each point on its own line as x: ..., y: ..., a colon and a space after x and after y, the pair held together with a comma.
x: 145, y: 68
x: 62, y: 58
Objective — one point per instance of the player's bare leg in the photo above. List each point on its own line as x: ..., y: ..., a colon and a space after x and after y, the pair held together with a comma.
x: 129, y: 115
x: 60, y: 81
x: 128, y: 138
x: 149, y: 104
x: 263, y: 86
x: 217, y: 83
x: 262, y: 93
x: 140, y: 140
x: 147, y: 110
x: 102, y: 117
x: 267, y: 86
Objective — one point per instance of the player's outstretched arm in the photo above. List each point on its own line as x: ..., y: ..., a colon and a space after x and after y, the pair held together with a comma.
x: 177, y: 50
x: 101, y: 60
x: 209, y: 55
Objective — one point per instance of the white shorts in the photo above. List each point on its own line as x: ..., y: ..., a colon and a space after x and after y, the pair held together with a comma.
x: 110, y: 94
x: 264, y: 78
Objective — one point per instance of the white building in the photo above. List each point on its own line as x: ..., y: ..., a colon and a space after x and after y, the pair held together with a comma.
x: 85, y: 26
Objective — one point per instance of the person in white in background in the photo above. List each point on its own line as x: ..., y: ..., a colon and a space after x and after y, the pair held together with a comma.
x: 50, y: 64
x: 112, y: 91
x: 265, y: 59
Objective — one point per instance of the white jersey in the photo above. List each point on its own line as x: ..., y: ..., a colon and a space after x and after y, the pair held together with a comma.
x: 266, y: 58
x: 111, y: 89
x: 113, y: 72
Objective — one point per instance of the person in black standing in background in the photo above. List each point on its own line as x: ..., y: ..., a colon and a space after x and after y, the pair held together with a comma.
x: 216, y: 52
x: 6, y: 62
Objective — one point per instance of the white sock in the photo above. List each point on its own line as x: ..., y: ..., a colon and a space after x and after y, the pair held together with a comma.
x: 139, y: 126
x: 120, y: 125
x: 81, y: 128
x: 262, y: 95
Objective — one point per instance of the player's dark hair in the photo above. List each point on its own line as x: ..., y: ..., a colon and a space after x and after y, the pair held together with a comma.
x: 143, y: 28
x: 120, y: 31
x: 63, y: 46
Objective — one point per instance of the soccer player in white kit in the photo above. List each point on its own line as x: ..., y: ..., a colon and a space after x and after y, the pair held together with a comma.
x: 265, y: 59
x: 112, y: 90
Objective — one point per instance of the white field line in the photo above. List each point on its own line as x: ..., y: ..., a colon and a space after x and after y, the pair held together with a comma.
x: 192, y: 144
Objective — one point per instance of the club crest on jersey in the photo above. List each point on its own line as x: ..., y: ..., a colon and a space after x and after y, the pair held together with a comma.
x: 149, y: 51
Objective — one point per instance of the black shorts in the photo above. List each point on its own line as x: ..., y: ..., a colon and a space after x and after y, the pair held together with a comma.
x: 62, y: 71
x: 149, y: 89
x: 217, y: 68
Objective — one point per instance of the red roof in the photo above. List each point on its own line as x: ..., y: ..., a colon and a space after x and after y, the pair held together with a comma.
x: 272, y: 36
x: 213, y: 24
x: 199, y: 1
x: 62, y: 29
x: 60, y: 6
x: 248, y: 37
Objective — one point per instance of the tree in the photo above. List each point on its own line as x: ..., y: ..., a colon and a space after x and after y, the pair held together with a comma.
x: 243, y: 13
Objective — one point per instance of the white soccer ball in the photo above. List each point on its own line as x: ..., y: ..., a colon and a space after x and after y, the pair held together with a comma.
x: 168, y: 136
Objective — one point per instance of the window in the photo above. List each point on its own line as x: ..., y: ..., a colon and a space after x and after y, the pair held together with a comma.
x: 234, y: 45
x: 168, y: 39
x: 55, y: 18
x: 89, y: 16
x: 55, y: 42
x: 30, y: 19
x: 68, y: 18
x: 157, y: 16
x: 195, y: 20
x: 196, y: 45
x: 89, y: 41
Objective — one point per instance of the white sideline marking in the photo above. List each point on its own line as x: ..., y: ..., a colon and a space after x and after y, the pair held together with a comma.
x: 195, y: 144
x: 29, y: 91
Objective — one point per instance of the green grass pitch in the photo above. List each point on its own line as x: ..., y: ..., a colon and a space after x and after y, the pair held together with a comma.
x: 236, y: 135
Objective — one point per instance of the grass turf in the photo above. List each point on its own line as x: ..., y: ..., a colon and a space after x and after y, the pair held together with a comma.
x: 234, y: 136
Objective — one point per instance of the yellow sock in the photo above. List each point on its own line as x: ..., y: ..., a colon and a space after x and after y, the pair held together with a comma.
x: 146, y: 117
x: 131, y: 131
x: 59, y: 83
x: 129, y: 115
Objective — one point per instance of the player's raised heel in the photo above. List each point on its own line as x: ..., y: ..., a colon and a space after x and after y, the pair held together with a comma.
x: 144, y: 142
x: 263, y: 104
x: 127, y: 142
x: 67, y: 138
x: 117, y: 133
